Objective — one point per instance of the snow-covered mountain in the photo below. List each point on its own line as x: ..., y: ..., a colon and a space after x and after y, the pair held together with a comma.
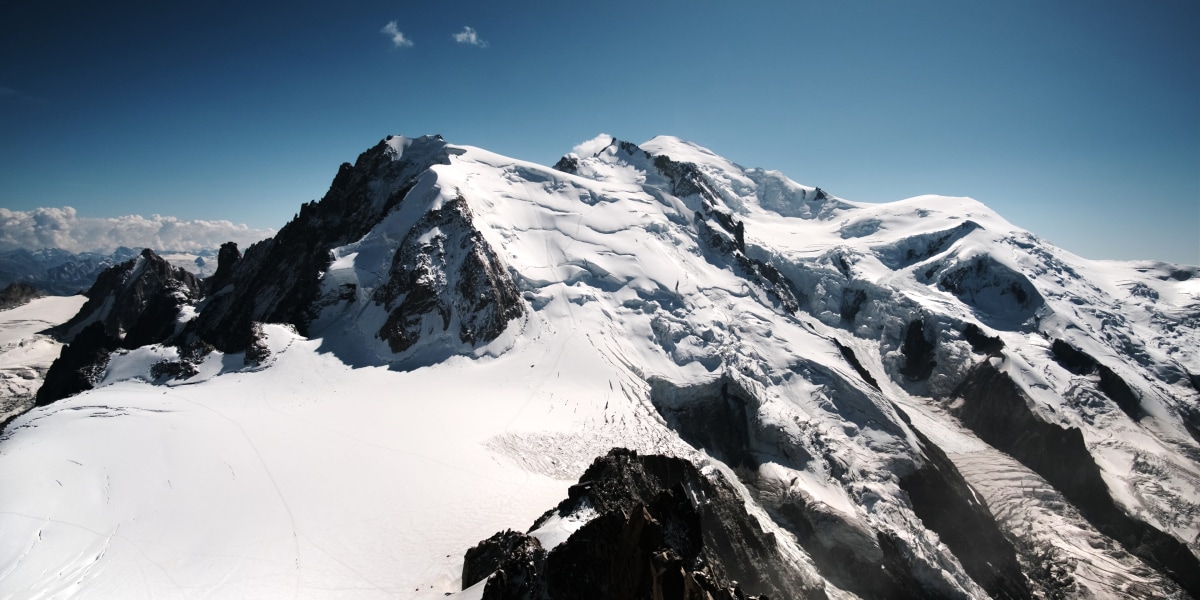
x: 914, y: 399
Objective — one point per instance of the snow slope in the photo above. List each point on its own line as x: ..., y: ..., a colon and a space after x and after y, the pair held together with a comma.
x: 25, y: 352
x: 658, y: 281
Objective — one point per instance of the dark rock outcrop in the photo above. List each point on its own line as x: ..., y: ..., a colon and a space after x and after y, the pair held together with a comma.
x: 567, y: 164
x: 727, y: 239
x: 1081, y: 363
x: 278, y: 280
x: 1000, y: 296
x: 761, y: 273
x: 137, y: 302
x: 947, y: 505
x: 133, y: 304
x: 445, y: 269
x: 227, y: 259
x: 997, y: 411
x: 79, y: 364
x: 919, y: 359
x: 517, y: 560
x: 685, y: 178
x: 852, y: 301
x: 858, y: 367
x: 662, y: 530
x: 981, y: 342
x: 717, y: 417
x: 17, y: 294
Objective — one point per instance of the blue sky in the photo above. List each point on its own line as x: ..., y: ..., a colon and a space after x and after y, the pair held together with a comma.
x: 1077, y: 120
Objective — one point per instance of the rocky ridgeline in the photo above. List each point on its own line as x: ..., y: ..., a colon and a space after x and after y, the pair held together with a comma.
x: 133, y: 304
x: 16, y: 294
x: 661, y: 529
x: 444, y: 269
x: 278, y: 279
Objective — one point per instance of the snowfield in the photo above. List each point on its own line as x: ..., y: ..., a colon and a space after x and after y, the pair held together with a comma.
x: 651, y: 287
x: 25, y: 352
x: 307, y: 478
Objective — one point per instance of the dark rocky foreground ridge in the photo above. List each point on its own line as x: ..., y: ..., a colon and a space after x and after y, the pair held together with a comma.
x: 663, y: 528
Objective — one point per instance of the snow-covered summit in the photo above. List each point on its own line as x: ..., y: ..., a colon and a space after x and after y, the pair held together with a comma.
x: 449, y: 332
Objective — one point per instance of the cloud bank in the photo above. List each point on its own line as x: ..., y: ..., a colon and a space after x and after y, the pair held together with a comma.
x: 393, y: 31
x: 469, y: 36
x: 63, y: 228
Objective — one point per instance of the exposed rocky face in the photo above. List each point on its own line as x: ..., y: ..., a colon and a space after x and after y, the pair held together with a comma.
x: 919, y: 360
x: 227, y: 257
x: 1113, y: 386
x: 137, y: 301
x: 719, y: 229
x: 278, y: 280
x: 444, y: 280
x: 445, y: 273
x: 567, y: 164
x: 661, y: 529
x: 79, y: 366
x: 133, y: 304
x: 17, y: 294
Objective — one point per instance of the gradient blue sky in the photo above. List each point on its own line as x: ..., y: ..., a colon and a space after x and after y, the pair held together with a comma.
x: 1077, y: 120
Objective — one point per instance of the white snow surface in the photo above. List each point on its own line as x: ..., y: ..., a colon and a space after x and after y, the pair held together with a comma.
x: 341, y: 469
x: 25, y: 352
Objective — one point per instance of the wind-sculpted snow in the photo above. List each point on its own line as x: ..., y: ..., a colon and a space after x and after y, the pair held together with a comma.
x: 438, y: 348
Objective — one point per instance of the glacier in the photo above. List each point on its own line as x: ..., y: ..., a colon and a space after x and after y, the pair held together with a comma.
x: 439, y: 348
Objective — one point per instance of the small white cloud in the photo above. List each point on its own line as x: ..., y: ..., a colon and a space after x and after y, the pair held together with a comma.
x: 594, y: 145
x: 469, y: 36
x: 63, y: 228
x: 393, y: 31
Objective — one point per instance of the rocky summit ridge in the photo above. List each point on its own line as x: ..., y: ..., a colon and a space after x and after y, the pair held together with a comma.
x: 825, y: 398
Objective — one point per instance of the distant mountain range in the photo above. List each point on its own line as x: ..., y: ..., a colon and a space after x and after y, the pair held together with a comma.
x: 61, y: 273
